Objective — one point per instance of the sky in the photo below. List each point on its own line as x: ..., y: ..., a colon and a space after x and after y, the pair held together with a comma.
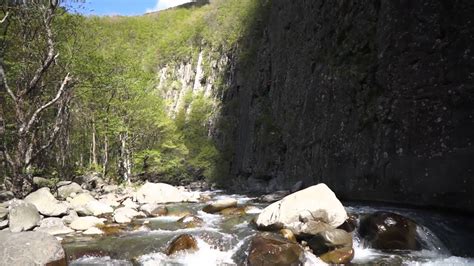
x: 125, y: 7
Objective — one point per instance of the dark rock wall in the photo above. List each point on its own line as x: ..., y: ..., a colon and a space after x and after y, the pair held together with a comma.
x: 374, y: 98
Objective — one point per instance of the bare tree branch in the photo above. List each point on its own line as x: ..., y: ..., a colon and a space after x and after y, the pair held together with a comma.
x: 57, y: 126
x: 33, y: 118
x: 4, y: 18
x: 50, y: 57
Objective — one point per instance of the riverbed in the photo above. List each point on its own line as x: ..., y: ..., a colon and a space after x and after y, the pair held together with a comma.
x: 447, y: 239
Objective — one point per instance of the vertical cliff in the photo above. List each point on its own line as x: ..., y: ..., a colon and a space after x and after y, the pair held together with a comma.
x: 374, y: 98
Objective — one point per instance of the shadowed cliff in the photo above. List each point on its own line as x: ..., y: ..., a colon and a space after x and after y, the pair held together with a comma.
x: 374, y: 98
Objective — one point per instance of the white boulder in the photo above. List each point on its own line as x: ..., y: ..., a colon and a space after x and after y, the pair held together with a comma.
x: 46, y: 203
x: 311, y: 210
x: 159, y: 193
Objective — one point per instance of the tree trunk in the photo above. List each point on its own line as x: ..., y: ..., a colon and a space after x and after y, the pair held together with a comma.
x: 94, y: 144
x: 106, y: 156
x: 125, y: 166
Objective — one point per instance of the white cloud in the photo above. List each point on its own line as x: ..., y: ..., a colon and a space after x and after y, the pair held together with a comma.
x: 164, y: 4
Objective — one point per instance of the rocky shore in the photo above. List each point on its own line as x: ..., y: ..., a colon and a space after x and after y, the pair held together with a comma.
x: 308, y: 220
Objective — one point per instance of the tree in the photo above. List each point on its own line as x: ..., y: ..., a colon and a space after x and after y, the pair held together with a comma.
x: 35, y: 87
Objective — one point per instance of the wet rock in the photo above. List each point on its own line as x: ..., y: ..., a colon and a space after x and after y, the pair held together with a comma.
x: 329, y: 240
x: 84, y: 223
x: 180, y: 243
x: 219, y: 205
x: 66, y: 190
x: 270, y: 249
x: 46, y: 203
x: 159, y: 193
x: 23, y: 216
x: 338, y: 256
x: 350, y: 224
x: 125, y: 215
x: 388, y: 231
x: 275, y: 196
x: 288, y: 234
x: 30, y: 248
x: 308, y: 211
x: 53, y: 226
x: 190, y: 221
x: 233, y: 211
x: 111, y: 229
x: 154, y: 210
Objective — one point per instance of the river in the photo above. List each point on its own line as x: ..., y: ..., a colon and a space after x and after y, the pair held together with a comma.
x: 447, y: 239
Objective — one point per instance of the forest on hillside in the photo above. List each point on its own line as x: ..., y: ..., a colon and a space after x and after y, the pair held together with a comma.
x: 79, y: 94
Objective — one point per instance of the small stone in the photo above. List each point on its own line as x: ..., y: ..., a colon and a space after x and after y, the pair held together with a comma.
x: 220, y: 205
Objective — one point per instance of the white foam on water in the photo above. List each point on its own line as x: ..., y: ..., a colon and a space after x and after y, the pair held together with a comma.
x: 446, y: 261
x: 183, y: 231
x: 164, y: 219
x: 106, y: 261
x: 205, y: 255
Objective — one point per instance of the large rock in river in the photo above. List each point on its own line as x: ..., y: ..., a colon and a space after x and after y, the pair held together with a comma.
x: 23, y: 216
x: 270, y: 249
x: 387, y: 231
x: 30, y: 248
x: 67, y: 189
x: 159, y: 193
x: 308, y: 211
x: 84, y: 223
x: 46, y: 203
x: 220, y: 205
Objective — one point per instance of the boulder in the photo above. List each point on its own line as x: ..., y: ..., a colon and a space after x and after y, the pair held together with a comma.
x: 46, y: 203
x: 125, y: 215
x: 219, y: 205
x: 79, y: 202
x: 180, y: 243
x: 329, y: 240
x: 84, y: 223
x: 339, y: 256
x: 3, y: 213
x: 388, y: 231
x: 66, y: 190
x: 30, y: 248
x: 190, y: 221
x: 93, y: 231
x: 154, y: 210
x: 6, y: 196
x: 159, y: 193
x: 97, y: 208
x: 271, y: 249
x: 23, y: 216
x: 68, y: 219
x: 90, y: 181
x: 53, y: 226
x: 110, y: 199
x: 308, y: 211
x: 130, y: 204
x: 109, y: 188
x: 233, y: 211
x: 3, y: 224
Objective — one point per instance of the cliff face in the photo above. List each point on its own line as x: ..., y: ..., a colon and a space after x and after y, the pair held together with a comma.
x: 374, y: 98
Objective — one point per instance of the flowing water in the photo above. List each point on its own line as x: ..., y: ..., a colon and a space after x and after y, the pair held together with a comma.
x: 221, y: 238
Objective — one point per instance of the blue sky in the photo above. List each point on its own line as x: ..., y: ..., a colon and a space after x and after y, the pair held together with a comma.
x: 125, y: 7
